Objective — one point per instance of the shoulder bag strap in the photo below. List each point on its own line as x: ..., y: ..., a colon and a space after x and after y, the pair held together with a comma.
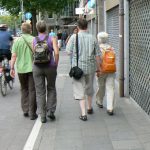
x: 77, y: 48
x: 27, y: 44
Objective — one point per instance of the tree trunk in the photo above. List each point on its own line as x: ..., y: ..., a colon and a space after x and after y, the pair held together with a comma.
x: 34, y: 20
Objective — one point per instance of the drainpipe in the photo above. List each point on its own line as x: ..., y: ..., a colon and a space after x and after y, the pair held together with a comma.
x: 96, y: 16
x: 126, y: 47
x: 105, y: 17
x: 121, y: 47
x: 100, y: 7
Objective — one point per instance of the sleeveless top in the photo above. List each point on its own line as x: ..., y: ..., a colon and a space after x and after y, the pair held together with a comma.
x: 49, y: 41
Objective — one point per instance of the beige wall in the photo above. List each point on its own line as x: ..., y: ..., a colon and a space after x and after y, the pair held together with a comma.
x: 111, y: 3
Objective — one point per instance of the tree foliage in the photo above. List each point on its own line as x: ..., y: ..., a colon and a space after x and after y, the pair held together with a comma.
x: 14, y: 6
x: 10, y: 21
x: 34, y: 6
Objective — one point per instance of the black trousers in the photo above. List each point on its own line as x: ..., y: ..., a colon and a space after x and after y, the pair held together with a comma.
x: 28, y: 94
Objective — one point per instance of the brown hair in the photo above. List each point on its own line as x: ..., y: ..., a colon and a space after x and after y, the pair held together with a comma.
x: 82, y: 24
x: 75, y: 28
x: 26, y: 27
x: 41, y: 26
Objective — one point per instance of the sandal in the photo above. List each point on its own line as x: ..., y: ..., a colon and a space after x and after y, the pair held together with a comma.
x: 83, y: 118
x: 99, y: 105
x: 110, y: 112
x: 90, y: 111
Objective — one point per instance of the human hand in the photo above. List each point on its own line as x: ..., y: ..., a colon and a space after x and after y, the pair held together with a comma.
x: 12, y: 73
x: 98, y: 73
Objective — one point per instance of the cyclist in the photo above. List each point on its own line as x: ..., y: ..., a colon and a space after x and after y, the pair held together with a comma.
x: 5, y: 42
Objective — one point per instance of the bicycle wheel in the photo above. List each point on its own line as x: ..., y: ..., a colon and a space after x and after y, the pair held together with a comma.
x: 3, y: 85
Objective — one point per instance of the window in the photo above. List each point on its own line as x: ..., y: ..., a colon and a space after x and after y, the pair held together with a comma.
x: 50, y: 15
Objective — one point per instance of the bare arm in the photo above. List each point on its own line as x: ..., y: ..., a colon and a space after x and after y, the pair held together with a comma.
x: 56, y: 50
x: 70, y: 45
x: 67, y: 39
x: 13, y: 60
x: 33, y: 46
x: 98, y: 63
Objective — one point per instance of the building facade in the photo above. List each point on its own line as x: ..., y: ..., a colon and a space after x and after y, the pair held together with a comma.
x: 63, y: 20
x: 90, y: 13
x: 136, y: 48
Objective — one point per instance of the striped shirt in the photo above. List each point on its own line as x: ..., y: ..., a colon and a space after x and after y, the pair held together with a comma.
x: 88, y: 50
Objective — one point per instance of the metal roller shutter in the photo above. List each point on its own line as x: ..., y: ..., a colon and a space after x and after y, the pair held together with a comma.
x: 113, y: 31
x: 139, y: 75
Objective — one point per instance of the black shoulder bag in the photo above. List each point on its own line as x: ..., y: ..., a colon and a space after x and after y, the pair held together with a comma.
x: 75, y: 71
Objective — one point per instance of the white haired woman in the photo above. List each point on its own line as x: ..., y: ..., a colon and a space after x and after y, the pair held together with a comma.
x: 105, y: 80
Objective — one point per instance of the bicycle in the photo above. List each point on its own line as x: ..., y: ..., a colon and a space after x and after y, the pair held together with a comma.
x: 5, y: 78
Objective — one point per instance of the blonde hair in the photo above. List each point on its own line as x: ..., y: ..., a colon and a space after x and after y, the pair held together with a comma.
x: 102, y: 37
x: 26, y: 27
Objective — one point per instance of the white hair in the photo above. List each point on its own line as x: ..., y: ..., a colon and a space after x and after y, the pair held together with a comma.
x: 102, y: 37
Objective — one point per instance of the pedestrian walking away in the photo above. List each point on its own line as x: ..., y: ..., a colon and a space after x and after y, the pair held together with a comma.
x: 51, y: 32
x: 22, y: 56
x: 64, y: 37
x: 74, y: 31
x: 45, y: 72
x: 59, y: 37
x: 88, y: 60
x: 105, y: 79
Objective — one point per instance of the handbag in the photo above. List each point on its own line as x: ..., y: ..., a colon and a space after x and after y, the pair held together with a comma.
x: 75, y: 71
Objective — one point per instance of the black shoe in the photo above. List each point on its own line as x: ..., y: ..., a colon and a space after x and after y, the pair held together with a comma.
x: 90, y: 111
x: 33, y: 117
x: 51, y: 116
x: 83, y: 118
x: 99, y: 105
x: 43, y: 119
x: 110, y: 112
x: 26, y: 114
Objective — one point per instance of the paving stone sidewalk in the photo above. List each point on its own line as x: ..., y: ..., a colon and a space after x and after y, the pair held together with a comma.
x: 128, y: 129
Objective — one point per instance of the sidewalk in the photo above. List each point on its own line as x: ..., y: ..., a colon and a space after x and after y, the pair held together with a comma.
x: 128, y: 129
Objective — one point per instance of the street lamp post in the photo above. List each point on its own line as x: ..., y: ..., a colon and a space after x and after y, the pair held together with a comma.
x: 96, y: 16
x: 22, y: 11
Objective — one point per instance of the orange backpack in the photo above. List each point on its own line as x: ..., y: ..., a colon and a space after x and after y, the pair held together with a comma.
x: 108, y: 64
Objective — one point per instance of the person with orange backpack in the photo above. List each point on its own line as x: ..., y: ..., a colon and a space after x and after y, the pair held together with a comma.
x: 106, y: 76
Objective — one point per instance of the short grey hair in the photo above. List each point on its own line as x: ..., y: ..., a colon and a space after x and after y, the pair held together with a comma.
x: 102, y: 37
x: 41, y: 26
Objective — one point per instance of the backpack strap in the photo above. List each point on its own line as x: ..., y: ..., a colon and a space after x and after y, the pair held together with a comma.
x: 46, y: 38
x: 37, y: 39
